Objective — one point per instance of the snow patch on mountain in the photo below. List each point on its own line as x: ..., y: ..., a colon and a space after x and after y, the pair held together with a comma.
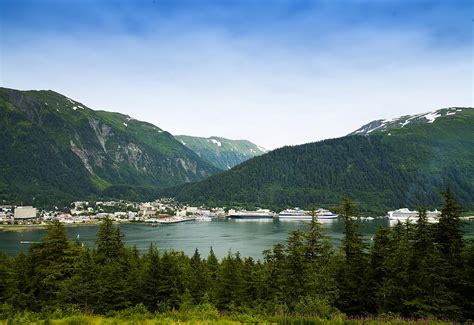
x: 218, y: 143
x: 401, y: 122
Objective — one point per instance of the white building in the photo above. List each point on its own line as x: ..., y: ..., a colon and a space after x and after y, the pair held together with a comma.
x: 146, y: 210
x: 24, y: 213
x: 193, y: 210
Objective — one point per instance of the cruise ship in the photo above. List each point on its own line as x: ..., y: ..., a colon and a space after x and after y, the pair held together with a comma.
x: 298, y: 214
x: 326, y: 214
x: 405, y: 214
x: 294, y: 214
x: 244, y: 214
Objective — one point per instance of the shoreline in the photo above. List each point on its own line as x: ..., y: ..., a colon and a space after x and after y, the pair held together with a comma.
x: 24, y: 228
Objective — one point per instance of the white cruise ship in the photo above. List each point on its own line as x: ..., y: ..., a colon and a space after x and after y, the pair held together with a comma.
x: 294, y: 214
x: 244, y: 214
x: 326, y: 214
x: 301, y: 215
x: 405, y: 214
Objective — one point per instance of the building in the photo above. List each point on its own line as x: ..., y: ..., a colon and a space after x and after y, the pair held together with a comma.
x: 24, y: 213
x: 146, y: 210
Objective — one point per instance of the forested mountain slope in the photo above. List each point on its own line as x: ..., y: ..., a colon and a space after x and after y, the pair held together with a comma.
x: 395, y: 167
x: 221, y: 152
x: 54, y: 148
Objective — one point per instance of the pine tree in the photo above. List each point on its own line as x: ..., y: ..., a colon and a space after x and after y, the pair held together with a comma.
x: 449, y: 234
x: 113, y: 271
x: 152, y: 278
x: 199, y: 278
x: 295, y: 267
x: 380, y: 251
x: 54, y: 260
x: 109, y: 241
x: 352, y: 276
x: 320, y: 278
x: 229, y: 283
x: 174, y: 280
x: 81, y: 288
x: 468, y: 281
x: 212, y: 267
x: 6, y: 278
x: 275, y: 274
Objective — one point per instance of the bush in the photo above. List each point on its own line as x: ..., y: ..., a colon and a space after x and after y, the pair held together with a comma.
x: 315, y: 307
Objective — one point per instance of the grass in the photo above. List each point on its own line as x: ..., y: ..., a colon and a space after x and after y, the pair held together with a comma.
x: 210, y: 317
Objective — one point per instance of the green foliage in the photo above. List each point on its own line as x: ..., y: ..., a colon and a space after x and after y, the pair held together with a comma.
x: 56, y: 150
x: 406, y: 271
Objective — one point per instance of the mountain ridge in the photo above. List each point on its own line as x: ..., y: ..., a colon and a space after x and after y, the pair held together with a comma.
x: 404, y: 167
x: 221, y: 152
x: 97, y: 151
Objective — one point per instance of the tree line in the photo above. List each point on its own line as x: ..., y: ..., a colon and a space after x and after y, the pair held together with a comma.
x: 417, y: 269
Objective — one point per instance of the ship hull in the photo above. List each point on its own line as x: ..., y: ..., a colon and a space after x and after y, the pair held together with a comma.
x: 251, y: 217
x: 307, y: 218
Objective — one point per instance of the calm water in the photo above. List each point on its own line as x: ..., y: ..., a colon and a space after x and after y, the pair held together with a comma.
x: 250, y: 238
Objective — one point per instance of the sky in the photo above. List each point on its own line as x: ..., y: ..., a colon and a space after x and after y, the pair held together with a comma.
x: 275, y: 72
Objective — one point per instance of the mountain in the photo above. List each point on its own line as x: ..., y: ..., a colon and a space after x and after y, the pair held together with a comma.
x: 400, y: 122
x: 221, y: 152
x: 405, y: 162
x: 55, y: 148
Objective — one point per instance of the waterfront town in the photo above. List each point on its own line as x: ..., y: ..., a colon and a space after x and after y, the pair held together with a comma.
x: 168, y: 211
x: 83, y: 212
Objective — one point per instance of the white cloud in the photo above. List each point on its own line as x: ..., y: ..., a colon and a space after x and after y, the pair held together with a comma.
x: 269, y: 90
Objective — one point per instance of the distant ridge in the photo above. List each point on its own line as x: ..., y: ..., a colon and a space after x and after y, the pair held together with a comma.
x: 221, y: 152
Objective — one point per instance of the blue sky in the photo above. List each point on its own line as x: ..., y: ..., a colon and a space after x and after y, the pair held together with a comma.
x: 274, y: 72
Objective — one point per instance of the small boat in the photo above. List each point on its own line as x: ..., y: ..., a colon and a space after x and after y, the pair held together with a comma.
x: 203, y: 218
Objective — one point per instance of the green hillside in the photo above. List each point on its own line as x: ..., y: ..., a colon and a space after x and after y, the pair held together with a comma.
x: 54, y: 148
x: 395, y: 167
x: 221, y: 152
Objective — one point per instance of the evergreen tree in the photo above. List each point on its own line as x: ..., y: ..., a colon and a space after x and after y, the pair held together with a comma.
x: 174, y: 280
x: 320, y: 278
x: 152, y: 278
x: 7, y: 286
x: 229, y: 283
x: 379, y: 253
x: 199, y: 278
x: 212, y: 267
x: 295, y: 267
x: 53, y: 261
x: 113, y: 272
x: 468, y: 281
x: 352, y: 275
x: 275, y: 274
x: 449, y: 234
x: 81, y: 288
x: 109, y: 241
